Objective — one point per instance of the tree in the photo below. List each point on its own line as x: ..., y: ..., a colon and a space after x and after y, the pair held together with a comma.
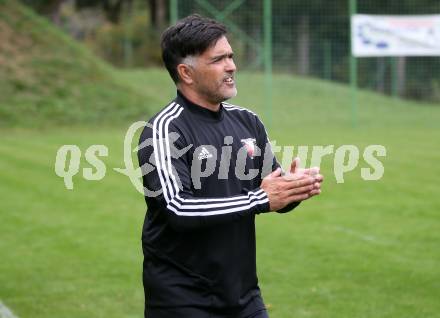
x: 158, y: 13
x: 49, y: 8
x: 112, y: 8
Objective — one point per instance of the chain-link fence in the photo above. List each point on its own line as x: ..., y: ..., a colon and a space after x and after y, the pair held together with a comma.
x: 312, y: 38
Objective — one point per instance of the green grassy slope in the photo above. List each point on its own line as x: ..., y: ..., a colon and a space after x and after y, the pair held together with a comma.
x: 46, y: 77
x: 299, y: 97
x: 361, y: 249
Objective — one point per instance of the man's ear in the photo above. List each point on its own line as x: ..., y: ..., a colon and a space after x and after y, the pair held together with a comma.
x: 185, y: 73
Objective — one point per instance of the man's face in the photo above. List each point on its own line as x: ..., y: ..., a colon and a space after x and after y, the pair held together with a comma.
x: 213, y: 74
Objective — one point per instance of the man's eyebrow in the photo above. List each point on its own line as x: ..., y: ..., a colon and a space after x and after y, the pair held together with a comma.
x: 221, y: 56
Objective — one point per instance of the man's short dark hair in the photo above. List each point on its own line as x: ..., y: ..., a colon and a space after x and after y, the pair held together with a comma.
x: 190, y: 36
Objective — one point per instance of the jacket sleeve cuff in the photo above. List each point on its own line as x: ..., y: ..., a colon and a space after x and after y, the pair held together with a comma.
x: 264, y: 205
x: 288, y: 207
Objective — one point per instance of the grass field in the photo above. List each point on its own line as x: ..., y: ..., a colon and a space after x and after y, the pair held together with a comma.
x: 361, y: 249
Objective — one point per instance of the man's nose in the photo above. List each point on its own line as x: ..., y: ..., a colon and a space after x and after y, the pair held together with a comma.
x: 230, y: 65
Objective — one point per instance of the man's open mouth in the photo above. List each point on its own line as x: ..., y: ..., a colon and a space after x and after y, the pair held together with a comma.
x: 229, y: 80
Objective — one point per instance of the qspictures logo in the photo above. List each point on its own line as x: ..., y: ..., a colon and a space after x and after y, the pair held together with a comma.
x: 205, y: 158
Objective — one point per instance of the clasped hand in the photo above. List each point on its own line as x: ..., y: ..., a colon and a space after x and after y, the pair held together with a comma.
x: 295, y: 186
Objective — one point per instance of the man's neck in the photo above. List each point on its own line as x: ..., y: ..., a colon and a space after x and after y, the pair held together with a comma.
x: 198, y: 100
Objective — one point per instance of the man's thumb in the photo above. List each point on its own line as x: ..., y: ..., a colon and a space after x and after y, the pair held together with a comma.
x: 275, y: 173
x: 294, y: 165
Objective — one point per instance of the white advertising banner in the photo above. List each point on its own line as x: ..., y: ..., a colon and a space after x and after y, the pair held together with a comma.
x: 384, y: 35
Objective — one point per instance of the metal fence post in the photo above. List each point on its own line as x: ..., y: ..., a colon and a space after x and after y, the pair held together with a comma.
x: 327, y: 60
x: 174, y: 11
x: 268, y: 60
x: 353, y: 71
x: 394, y: 78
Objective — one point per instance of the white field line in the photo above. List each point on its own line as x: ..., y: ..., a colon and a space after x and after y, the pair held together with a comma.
x: 361, y: 236
x: 396, y: 256
x: 5, y: 312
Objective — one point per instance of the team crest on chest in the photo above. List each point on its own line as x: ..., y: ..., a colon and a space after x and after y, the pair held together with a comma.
x: 249, y: 144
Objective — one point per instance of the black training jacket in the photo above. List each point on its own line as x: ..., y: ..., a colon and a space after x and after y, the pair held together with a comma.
x: 201, y: 173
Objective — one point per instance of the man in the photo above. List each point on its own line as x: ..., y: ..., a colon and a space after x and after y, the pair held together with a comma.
x: 208, y: 170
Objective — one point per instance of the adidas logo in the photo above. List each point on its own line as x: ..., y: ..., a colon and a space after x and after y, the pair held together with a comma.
x: 204, y: 154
